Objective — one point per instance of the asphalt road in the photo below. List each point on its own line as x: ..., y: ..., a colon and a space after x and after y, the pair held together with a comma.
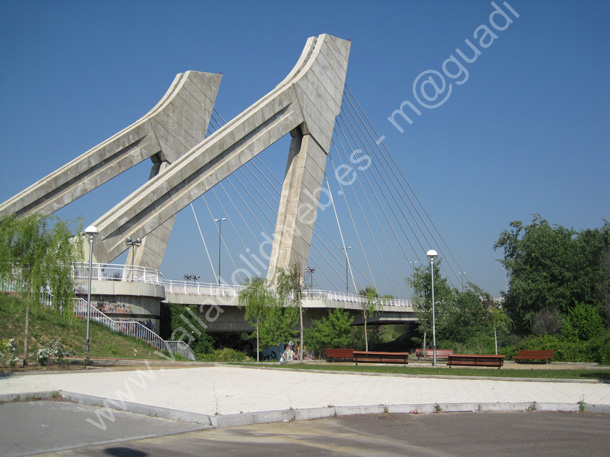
x: 33, y: 427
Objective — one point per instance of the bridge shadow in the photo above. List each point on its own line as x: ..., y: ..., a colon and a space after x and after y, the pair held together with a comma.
x: 601, y: 376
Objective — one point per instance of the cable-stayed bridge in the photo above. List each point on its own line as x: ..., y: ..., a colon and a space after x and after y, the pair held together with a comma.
x: 338, y: 207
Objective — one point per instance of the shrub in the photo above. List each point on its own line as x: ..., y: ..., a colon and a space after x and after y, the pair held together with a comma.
x: 600, y: 348
x: 8, y: 352
x: 564, y: 351
x: 583, y: 323
x: 54, y: 349
x: 223, y: 355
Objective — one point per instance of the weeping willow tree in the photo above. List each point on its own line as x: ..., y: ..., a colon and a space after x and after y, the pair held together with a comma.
x: 256, y: 299
x: 290, y: 283
x: 36, y: 254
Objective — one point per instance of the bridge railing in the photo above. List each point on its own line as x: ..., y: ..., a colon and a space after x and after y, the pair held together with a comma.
x: 112, y: 272
x: 226, y: 290
x: 201, y: 288
x: 15, y: 285
x: 352, y: 298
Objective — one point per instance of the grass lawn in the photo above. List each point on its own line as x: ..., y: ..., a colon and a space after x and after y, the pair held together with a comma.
x: 534, y: 373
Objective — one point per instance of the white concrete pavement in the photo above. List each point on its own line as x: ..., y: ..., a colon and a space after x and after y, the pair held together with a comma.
x: 248, y: 395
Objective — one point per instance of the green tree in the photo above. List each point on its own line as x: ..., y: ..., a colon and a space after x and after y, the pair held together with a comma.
x: 499, y: 321
x: 256, y: 298
x: 279, y: 325
x: 290, y: 291
x: 421, y: 285
x: 185, y: 323
x: 330, y: 332
x: 552, y: 267
x: 369, y: 307
x: 38, y: 253
x: 463, y: 314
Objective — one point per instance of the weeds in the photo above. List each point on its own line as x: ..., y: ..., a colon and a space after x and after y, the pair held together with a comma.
x: 532, y: 407
x: 581, y: 404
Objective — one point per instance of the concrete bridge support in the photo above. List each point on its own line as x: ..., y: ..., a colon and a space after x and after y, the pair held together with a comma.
x: 176, y: 124
x: 305, y: 103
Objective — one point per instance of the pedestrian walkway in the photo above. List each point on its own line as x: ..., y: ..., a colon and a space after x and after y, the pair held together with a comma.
x: 247, y: 395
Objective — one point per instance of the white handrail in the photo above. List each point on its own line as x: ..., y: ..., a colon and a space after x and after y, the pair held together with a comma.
x: 210, y: 289
x: 112, y: 272
x: 129, y: 328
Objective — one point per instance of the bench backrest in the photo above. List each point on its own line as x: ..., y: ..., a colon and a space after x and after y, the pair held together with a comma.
x: 340, y: 353
x: 401, y: 354
x: 535, y: 354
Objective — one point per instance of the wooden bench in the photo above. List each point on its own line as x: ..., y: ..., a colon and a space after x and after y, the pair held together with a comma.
x: 543, y: 356
x: 475, y: 360
x: 333, y: 355
x: 429, y: 354
x: 381, y: 357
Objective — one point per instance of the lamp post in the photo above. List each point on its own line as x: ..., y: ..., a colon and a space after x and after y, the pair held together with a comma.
x: 346, y: 270
x: 91, y: 232
x: 462, y: 274
x: 432, y: 255
x: 311, y: 271
x: 133, y: 244
x: 412, y: 262
x: 219, y: 243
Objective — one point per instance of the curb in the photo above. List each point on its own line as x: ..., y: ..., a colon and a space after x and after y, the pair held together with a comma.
x: 289, y: 415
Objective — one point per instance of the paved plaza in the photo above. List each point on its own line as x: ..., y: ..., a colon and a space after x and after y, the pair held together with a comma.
x: 222, y: 391
x: 151, y: 407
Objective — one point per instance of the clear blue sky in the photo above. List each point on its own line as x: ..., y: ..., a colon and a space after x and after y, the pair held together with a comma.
x: 526, y: 133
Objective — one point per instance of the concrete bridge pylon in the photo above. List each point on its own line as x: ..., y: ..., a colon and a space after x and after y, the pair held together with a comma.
x: 304, y: 104
x: 176, y: 124
x: 186, y: 164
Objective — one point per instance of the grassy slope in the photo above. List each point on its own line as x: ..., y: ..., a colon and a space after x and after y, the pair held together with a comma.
x: 47, y: 324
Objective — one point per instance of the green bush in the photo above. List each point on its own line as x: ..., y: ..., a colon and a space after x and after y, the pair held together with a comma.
x: 51, y: 349
x: 600, y: 348
x: 583, y: 323
x: 8, y: 352
x: 564, y: 351
x: 477, y: 344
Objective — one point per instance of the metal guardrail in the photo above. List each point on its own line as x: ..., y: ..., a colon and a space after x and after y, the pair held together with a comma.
x: 129, y: 328
x: 201, y: 288
x: 11, y: 286
x: 353, y: 298
x: 225, y: 290
x: 112, y: 272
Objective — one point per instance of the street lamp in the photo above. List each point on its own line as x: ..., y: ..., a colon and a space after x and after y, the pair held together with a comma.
x: 311, y: 271
x: 346, y: 268
x: 462, y: 274
x: 432, y: 255
x: 412, y: 262
x: 90, y: 231
x: 133, y: 244
x: 219, y: 243
x: 193, y: 277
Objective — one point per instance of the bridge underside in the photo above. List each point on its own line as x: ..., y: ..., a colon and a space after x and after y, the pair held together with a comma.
x: 231, y: 319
